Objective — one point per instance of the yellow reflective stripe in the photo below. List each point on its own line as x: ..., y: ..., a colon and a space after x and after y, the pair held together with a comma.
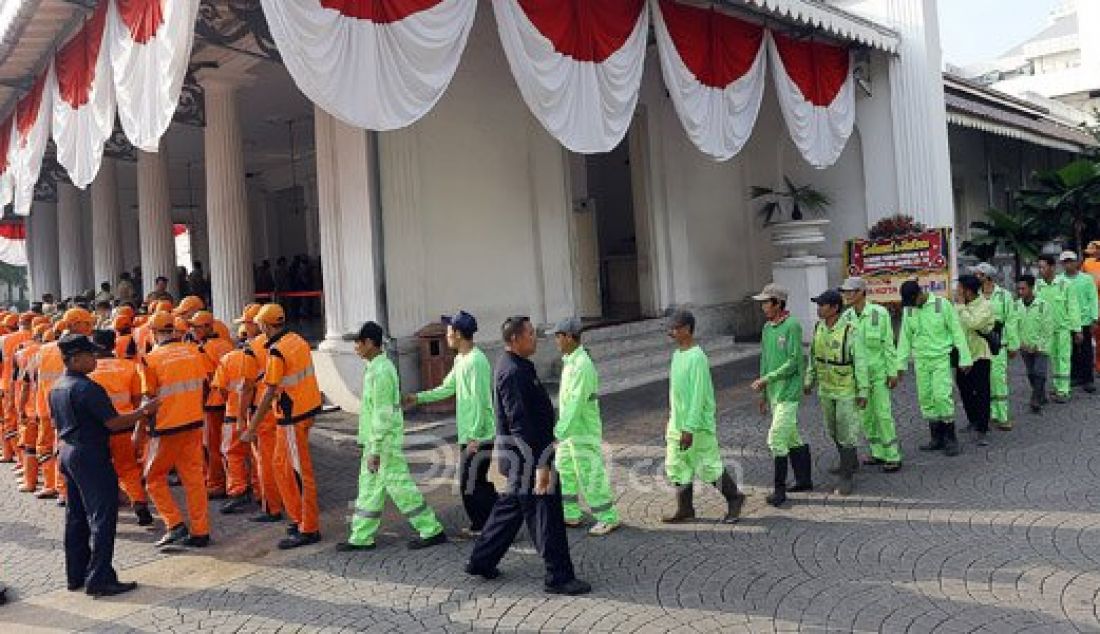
x: 296, y: 378
x: 47, y: 377
x: 235, y: 385
x: 180, y: 387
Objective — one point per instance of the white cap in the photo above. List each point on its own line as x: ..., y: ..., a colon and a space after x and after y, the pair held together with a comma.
x: 985, y: 268
x: 772, y: 291
x: 1067, y: 256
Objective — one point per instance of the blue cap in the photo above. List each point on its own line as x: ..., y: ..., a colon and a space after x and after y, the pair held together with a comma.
x: 75, y: 344
x: 461, y: 321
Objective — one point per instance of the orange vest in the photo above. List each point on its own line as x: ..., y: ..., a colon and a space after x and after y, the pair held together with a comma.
x: 20, y: 378
x: 290, y: 371
x: 174, y: 372
x: 212, y: 350
x: 51, y: 365
x: 257, y: 350
x: 125, y: 346
x: 143, y: 338
x: 222, y: 330
x: 9, y: 344
x: 229, y: 377
x: 120, y: 378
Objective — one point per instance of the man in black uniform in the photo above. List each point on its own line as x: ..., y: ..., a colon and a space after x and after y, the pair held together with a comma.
x: 84, y: 417
x: 525, y: 453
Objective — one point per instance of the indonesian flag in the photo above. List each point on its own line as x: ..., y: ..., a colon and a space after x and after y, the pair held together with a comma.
x: 375, y: 64
x: 13, y: 243
x: 84, y: 107
x: 6, y: 171
x: 578, y: 64
x: 714, y: 69
x: 32, y: 132
x: 150, y: 46
x: 816, y: 95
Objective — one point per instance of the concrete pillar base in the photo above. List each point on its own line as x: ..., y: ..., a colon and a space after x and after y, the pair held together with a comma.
x: 804, y: 278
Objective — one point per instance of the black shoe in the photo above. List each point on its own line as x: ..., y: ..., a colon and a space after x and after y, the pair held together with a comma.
x: 197, y: 541
x: 488, y: 575
x: 299, y: 539
x: 1036, y: 408
x: 73, y: 587
x: 61, y: 502
x: 572, y: 588
x: 891, y: 467
x: 951, y: 441
x: 292, y: 530
x: 235, y: 503
x: 175, y: 535
x: 144, y: 517
x: 434, y: 540
x: 685, y: 508
x: 802, y: 467
x: 936, y: 431
x: 112, y: 589
x: 266, y: 518
x: 981, y: 439
x: 1090, y: 388
x: 348, y: 547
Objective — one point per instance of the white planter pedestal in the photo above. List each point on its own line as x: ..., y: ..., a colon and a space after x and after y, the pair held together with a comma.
x: 804, y: 278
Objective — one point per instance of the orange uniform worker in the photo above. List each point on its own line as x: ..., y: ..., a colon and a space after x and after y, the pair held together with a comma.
x: 51, y: 365
x: 228, y: 381
x: 1091, y: 265
x: 123, y: 325
x: 263, y: 449
x: 174, y: 374
x: 28, y: 416
x: 212, y: 348
x: 291, y: 387
x: 192, y: 304
x: 121, y: 380
x: 8, y: 345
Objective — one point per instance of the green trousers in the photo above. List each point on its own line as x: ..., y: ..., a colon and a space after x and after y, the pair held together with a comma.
x: 702, y: 460
x: 935, y: 389
x: 1061, y: 352
x: 783, y: 434
x: 579, y: 462
x: 394, y: 480
x: 842, y: 420
x: 998, y: 390
x: 878, y: 421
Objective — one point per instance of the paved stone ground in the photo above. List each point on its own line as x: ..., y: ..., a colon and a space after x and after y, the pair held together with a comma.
x: 1004, y: 538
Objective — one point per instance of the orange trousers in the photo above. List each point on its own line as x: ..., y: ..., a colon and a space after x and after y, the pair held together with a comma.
x: 11, y: 431
x: 236, y: 454
x: 47, y: 460
x: 294, y: 473
x: 212, y: 440
x: 263, y: 466
x: 29, y: 439
x: 124, y: 458
x: 182, y: 451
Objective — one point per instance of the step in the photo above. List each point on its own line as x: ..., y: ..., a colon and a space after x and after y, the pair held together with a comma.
x: 645, y: 359
x: 628, y: 330
x: 614, y: 383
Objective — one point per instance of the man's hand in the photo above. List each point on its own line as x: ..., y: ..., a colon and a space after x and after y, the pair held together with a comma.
x: 892, y: 382
x: 763, y: 406
x: 472, y: 448
x: 150, y: 408
x: 759, y: 384
x: 408, y: 401
x: 861, y: 403
x: 542, y: 481
x: 374, y: 463
x: 686, y: 439
x: 248, y: 436
x: 1011, y: 354
x: 1078, y: 338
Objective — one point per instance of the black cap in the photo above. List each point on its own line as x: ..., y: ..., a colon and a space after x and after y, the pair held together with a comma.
x: 910, y: 291
x: 681, y: 318
x: 829, y: 298
x: 75, y: 344
x: 461, y: 321
x: 104, y: 339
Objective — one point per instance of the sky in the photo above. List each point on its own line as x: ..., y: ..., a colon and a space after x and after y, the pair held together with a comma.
x: 980, y: 30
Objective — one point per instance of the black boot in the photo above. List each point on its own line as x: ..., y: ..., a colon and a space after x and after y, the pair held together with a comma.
x: 935, y: 428
x: 801, y: 465
x: 685, y: 507
x: 835, y: 469
x: 734, y: 498
x: 848, y: 463
x: 779, y: 495
x: 951, y: 441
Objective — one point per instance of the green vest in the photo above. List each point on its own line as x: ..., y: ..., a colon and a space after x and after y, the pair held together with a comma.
x: 831, y: 354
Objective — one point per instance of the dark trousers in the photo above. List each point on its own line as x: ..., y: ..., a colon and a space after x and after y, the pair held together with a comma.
x: 478, y: 494
x: 545, y: 524
x: 1082, y: 360
x: 975, y: 391
x: 91, y: 513
x: 1037, y: 365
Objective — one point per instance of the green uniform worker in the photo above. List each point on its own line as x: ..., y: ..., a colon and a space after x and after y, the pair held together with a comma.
x: 470, y: 383
x: 384, y: 470
x: 875, y: 331
x: 1062, y: 300
x: 782, y: 367
x: 579, y: 435
x: 1035, y: 325
x: 838, y: 367
x: 929, y: 330
x: 1083, y: 287
x: 691, y: 437
x: 1004, y: 314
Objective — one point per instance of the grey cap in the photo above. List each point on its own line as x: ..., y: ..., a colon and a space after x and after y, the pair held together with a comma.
x: 569, y: 326
x: 854, y: 284
x: 772, y: 291
x: 1067, y: 256
x: 985, y: 268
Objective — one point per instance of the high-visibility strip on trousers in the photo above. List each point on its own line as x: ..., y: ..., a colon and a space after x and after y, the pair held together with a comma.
x: 392, y: 480
x: 10, y: 429
x: 124, y: 459
x: 184, y: 452
x: 235, y: 453
x: 998, y: 388
x: 47, y: 461
x: 294, y: 475
x: 263, y: 460
x: 580, y: 467
x: 212, y: 440
x: 878, y: 422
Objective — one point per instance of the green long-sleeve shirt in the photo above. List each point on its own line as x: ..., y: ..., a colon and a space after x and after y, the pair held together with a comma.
x: 838, y: 362
x: 1083, y: 286
x: 976, y: 318
x: 1036, y: 325
x: 876, y: 332
x: 782, y: 362
x: 470, y: 382
x: 691, y: 392
x: 1004, y: 311
x: 930, y: 331
x: 1062, y: 301
x: 578, y: 404
x: 381, y: 423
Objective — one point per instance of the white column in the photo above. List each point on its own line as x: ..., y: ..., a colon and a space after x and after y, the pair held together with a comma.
x: 227, y: 214
x: 42, y: 250
x: 70, y: 250
x: 158, y: 248
x: 106, y: 225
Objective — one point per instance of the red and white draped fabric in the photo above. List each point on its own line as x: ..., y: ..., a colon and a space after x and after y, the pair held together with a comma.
x: 32, y: 132
x: 714, y: 69
x: 84, y: 107
x: 376, y: 64
x: 13, y: 243
x: 816, y: 95
x: 6, y: 171
x: 150, y: 46
x: 578, y: 64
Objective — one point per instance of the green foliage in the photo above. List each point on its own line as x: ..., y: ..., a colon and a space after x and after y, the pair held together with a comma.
x: 1020, y: 233
x: 796, y: 198
x: 1068, y: 198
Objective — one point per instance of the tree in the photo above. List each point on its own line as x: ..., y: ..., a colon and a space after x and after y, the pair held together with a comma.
x: 1018, y: 232
x: 1069, y: 197
x: 797, y: 197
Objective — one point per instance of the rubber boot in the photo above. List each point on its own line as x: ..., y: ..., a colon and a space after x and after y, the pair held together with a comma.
x: 734, y: 498
x: 779, y: 495
x: 685, y: 507
x: 951, y: 441
x: 848, y: 462
x: 936, y: 430
x: 802, y: 467
x: 835, y: 469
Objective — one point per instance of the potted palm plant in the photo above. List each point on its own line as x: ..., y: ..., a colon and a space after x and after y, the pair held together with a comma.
x: 796, y: 202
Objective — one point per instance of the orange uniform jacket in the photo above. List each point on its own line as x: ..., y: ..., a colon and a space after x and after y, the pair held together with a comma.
x: 9, y: 344
x: 175, y: 373
x: 290, y: 371
x: 51, y: 365
x: 122, y: 381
